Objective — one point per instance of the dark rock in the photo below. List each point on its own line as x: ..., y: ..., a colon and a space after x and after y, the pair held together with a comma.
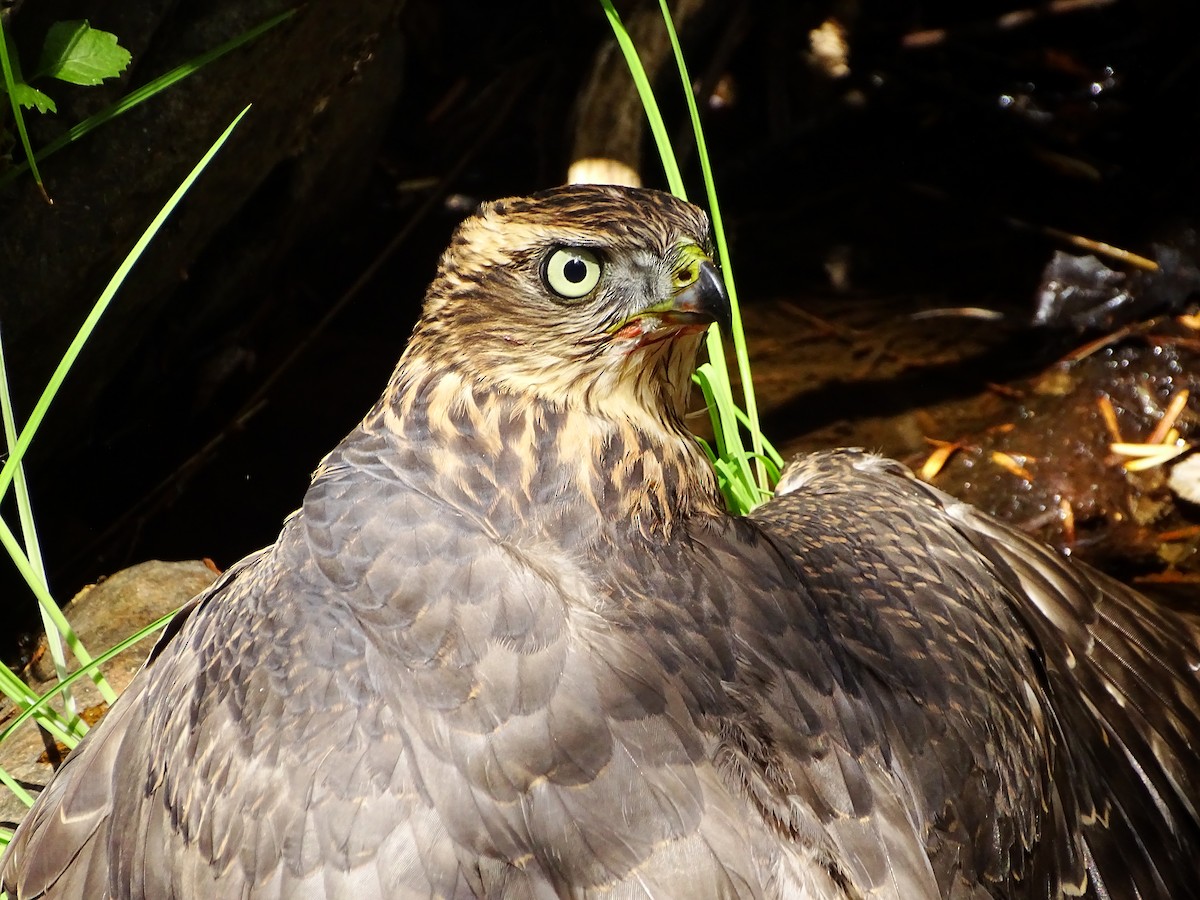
x: 323, y: 84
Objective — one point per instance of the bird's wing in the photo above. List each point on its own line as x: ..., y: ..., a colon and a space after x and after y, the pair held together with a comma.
x: 1106, y: 719
x: 1124, y: 677
x: 391, y: 702
x: 918, y: 738
x: 61, y: 848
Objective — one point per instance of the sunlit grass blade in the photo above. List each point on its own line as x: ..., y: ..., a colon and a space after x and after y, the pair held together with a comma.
x: 29, y: 532
x: 17, y: 450
x: 745, y: 477
x: 714, y: 210
x: 769, y: 455
x: 48, y: 717
x: 657, y: 127
x: 145, y: 92
x: 48, y: 607
x: 84, y: 671
x: 741, y: 493
x: 735, y: 466
x: 13, y: 785
x: 718, y: 397
x: 37, y: 706
x: 18, y: 447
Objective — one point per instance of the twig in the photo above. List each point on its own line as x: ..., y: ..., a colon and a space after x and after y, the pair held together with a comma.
x: 931, y: 37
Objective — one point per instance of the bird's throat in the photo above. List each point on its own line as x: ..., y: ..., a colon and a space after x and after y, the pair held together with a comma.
x: 523, y: 462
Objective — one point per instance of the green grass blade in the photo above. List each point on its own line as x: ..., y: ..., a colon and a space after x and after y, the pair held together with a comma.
x: 770, y: 454
x: 29, y: 532
x: 649, y: 104
x: 146, y: 91
x: 48, y: 717
x: 732, y: 462
x: 740, y: 491
x: 746, y: 476
x: 707, y: 448
x: 39, y: 706
x: 49, y: 608
x: 11, y: 783
x: 714, y: 209
x: 18, y: 449
x: 84, y: 671
x: 6, y: 65
x: 715, y: 390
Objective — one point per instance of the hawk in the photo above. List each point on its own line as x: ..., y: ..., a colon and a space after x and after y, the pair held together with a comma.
x: 512, y: 645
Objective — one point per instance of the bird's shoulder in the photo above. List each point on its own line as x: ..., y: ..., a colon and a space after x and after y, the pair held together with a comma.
x: 270, y: 742
x: 869, y: 662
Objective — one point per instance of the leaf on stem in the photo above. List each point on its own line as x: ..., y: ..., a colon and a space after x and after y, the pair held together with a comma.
x: 79, y: 54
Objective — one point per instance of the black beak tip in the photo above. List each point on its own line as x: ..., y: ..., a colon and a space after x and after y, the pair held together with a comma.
x: 707, y: 296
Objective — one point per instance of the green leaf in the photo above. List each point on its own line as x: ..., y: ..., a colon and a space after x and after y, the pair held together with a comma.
x: 32, y: 98
x: 142, y: 94
x: 77, y: 53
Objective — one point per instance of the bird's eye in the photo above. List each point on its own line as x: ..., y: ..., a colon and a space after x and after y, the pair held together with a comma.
x: 572, y: 272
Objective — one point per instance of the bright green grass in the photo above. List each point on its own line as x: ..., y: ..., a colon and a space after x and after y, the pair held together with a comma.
x: 64, y: 726
x: 745, y: 475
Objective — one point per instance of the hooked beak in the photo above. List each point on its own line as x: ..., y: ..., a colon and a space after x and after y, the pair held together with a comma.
x: 700, y: 298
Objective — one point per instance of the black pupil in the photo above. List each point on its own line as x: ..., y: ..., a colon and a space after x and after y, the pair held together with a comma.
x: 575, y: 270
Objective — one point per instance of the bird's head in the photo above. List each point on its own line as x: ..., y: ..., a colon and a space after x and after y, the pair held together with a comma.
x: 585, y: 296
